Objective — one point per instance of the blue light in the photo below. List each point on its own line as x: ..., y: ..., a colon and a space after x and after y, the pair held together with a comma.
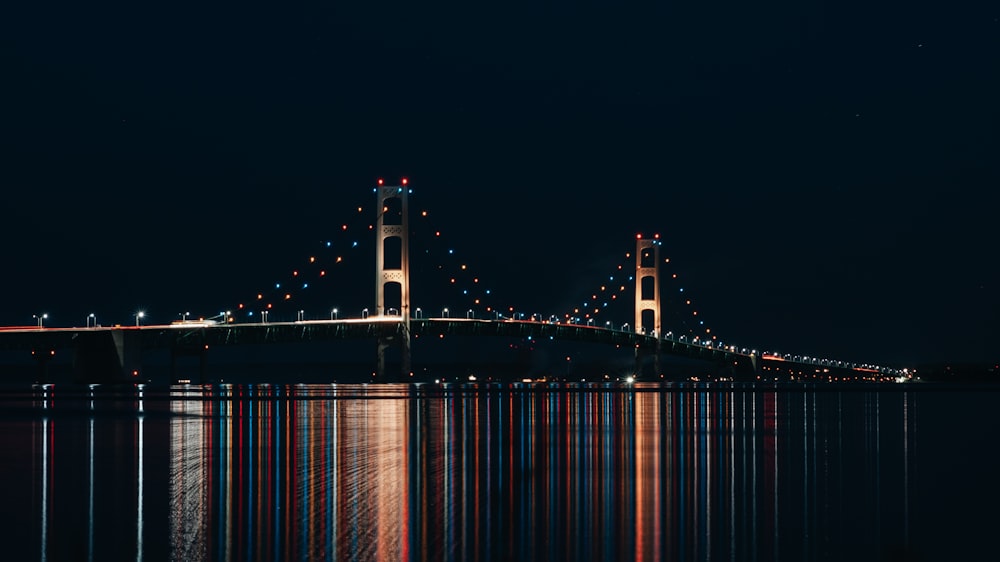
x: 277, y: 285
x: 328, y: 244
x: 611, y: 277
x: 465, y: 292
x: 354, y: 245
x: 702, y: 322
x: 682, y: 289
x: 305, y: 285
x: 451, y: 251
x: 250, y: 313
x: 487, y: 291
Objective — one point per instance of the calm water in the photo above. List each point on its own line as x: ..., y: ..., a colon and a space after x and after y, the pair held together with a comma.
x: 499, y: 472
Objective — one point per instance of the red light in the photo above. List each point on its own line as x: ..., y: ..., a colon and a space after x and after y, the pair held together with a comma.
x: 380, y: 182
x: 404, y: 181
x: 638, y: 236
x: 656, y: 236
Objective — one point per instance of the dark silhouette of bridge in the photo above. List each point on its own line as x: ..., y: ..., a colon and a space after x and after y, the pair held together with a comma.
x: 115, y: 354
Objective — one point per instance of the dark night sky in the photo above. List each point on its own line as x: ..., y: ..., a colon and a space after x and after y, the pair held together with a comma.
x: 823, y: 175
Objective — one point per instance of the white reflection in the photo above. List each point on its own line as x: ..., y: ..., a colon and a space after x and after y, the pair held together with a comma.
x: 138, y: 525
x: 45, y: 487
x: 90, y: 492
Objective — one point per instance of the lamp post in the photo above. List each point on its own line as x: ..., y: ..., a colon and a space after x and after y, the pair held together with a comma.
x: 444, y: 313
x: 333, y: 314
x: 139, y: 316
x: 40, y: 318
x: 263, y: 317
x: 419, y: 313
x: 468, y: 313
x: 364, y: 313
x: 301, y: 315
x: 91, y: 320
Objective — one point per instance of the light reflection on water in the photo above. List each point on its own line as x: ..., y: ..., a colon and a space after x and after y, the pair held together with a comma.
x: 401, y: 472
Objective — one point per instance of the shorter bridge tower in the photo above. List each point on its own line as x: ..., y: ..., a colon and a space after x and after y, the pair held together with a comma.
x: 392, y: 270
x: 647, y: 296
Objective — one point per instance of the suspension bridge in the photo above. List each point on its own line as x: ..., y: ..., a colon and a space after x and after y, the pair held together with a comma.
x: 115, y: 353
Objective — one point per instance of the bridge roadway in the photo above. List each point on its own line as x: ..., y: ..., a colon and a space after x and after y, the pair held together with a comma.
x: 98, y: 349
x: 159, y: 336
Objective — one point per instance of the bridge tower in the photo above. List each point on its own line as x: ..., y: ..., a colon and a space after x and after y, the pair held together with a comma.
x: 390, y: 270
x: 647, y: 295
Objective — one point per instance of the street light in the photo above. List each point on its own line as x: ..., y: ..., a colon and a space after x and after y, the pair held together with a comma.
x: 184, y: 316
x: 444, y: 313
x: 263, y: 317
x: 139, y: 316
x: 468, y: 313
x: 333, y: 314
x: 364, y: 313
x: 91, y: 320
x: 419, y: 313
x: 40, y: 317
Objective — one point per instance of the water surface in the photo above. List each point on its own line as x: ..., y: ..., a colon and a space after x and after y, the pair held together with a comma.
x: 499, y: 472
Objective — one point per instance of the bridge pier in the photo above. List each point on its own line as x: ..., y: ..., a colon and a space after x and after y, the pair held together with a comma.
x: 199, y: 350
x: 641, y: 354
x: 42, y: 356
x: 107, y: 356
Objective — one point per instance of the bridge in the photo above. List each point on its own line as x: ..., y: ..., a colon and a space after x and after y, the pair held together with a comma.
x: 115, y: 353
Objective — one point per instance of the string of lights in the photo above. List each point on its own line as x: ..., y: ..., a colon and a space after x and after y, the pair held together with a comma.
x: 474, y: 297
x: 323, y: 262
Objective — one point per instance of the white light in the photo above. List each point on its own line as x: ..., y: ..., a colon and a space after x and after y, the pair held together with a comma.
x: 630, y: 379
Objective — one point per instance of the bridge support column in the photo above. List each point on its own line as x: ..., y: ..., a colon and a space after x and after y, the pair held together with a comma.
x: 107, y: 356
x: 392, y: 225
x: 647, y: 298
x: 199, y: 350
x: 42, y: 356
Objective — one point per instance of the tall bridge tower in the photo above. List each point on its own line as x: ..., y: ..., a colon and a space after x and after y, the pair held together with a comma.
x: 392, y: 269
x: 647, y: 295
